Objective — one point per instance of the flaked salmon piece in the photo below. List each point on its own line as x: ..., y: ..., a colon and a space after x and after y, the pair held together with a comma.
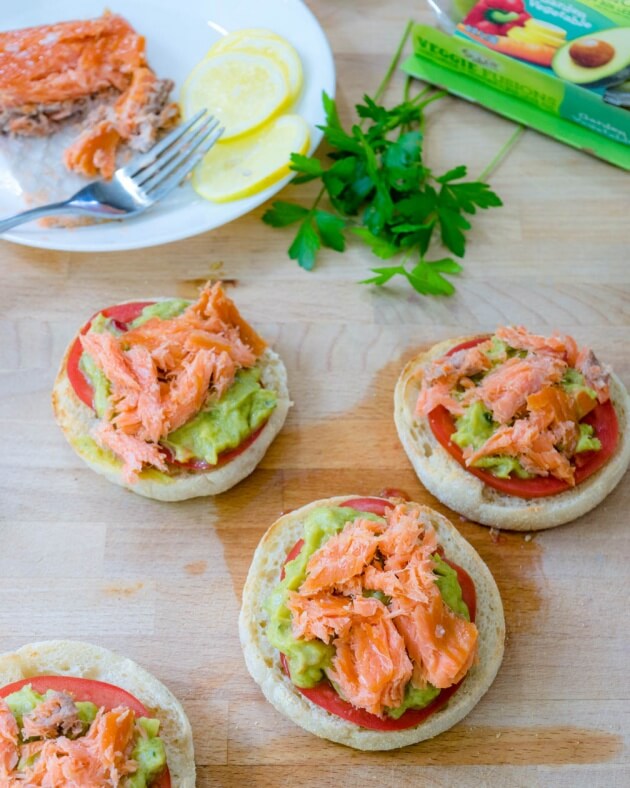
x: 462, y: 363
x: 134, y: 452
x: 504, y: 391
x: 322, y: 616
x: 139, y: 410
x: 100, y: 759
x: 441, y: 376
x: 189, y: 388
x: 430, y: 397
x: 417, y: 580
x: 595, y: 374
x: 520, y: 338
x: 9, y: 732
x: 442, y: 644
x: 56, y: 715
x: 565, y: 436
x: 214, y: 301
x: 371, y: 667
x: 408, y: 533
x: 558, y: 406
x: 376, y: 579
x: 106, y: 352
x: 532, y: 443
x: 342, y: 557
x: 110, y: 735
x: 129, y: 106
x: 94, y: 151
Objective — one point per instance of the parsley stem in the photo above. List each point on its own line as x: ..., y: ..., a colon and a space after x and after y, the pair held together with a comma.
x: 407, y: 88
x: 394, y: 63
x: 505, y: 149
x: 318, y: 198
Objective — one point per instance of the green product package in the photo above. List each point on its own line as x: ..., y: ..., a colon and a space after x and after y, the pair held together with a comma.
x: 561, y: 67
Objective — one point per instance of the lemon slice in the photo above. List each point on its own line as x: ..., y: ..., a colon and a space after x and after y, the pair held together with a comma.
x: 243, y: 90
x: 266, y: 43
x: 246, y: 166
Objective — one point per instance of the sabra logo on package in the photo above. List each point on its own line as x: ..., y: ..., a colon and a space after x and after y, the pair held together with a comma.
x: 480, y: 59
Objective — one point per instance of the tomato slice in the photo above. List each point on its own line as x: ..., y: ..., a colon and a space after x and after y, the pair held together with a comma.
x: 325, y: 695
x: 376, y: 506
x: 98, y: 692
x: 122, y: 315
x: 602, y: 418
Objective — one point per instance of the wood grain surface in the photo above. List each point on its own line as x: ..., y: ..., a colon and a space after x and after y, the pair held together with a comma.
x: 80, y: 558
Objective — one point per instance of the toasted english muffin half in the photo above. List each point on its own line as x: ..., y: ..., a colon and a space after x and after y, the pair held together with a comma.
x: 263, y: 660
x: 84, y: 660
x: 463, y: 492
x: 77, y: 420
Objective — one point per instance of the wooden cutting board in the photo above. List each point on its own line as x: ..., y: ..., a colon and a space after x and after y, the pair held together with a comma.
x: 161, y: 583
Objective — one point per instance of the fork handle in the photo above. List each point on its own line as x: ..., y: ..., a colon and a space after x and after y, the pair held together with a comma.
x: 33, y: 213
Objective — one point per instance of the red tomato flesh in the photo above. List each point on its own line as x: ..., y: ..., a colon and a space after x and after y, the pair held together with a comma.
x: 602, y: 418
x: 325, y: 695
x: 122, y: 315
x: 98, y: 692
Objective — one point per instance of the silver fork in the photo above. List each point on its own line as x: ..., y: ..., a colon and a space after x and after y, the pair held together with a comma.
x: 147, y: 178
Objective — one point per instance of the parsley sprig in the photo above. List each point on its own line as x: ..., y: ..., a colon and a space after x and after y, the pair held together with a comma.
x: 379, y: 189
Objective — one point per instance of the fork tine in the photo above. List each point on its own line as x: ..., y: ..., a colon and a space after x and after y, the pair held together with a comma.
x: 159, y: 191
x: 144, y: 160
x: 175, y: 156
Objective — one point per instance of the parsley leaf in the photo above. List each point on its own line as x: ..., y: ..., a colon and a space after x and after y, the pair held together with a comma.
x: 379, y: 187
x: 305, y: 245
x: 282, y: 214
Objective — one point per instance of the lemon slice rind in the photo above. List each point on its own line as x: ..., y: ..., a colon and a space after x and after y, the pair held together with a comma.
x: 243, y: 90
x: 248, y: 165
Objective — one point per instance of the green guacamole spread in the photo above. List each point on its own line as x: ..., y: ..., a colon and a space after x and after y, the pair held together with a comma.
x: 148, y: 751
x: 308, y: 659
x: 165, y: 310
x: 222, y: 425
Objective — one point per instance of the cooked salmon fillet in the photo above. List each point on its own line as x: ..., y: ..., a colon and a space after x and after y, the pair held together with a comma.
x: 162, y: 372
x: 99, y: 759
x: 379, y: 647
x: 95, y: 69
x: 519, y: 381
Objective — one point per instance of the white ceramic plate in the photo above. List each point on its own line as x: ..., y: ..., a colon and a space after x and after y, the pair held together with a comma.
x: 178, y: 34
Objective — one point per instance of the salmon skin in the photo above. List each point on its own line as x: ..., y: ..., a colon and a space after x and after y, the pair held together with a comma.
x: 518, y: 378
x: 162, y: 373
x: 383, y: 644
x: 93, y: 69
x: 52, y: 748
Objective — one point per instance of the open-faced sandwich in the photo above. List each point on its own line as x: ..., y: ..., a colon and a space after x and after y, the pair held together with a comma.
x: 73, y: 714
x: 514, y: 430
x: 169, y: 398
x: 370, y: 622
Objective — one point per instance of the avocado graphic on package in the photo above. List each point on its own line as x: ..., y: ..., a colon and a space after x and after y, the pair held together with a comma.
x: 597, y: 56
